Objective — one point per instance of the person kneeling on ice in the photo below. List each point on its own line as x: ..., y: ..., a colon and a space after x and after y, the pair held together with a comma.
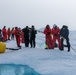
x: 56, y: 35
x: 47, y: 32
x: 64, y: 33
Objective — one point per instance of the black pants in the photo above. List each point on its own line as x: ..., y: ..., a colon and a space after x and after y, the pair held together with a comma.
x: 68, y: 44
x: 32, y: 42
x: 26, y: 41
x: 12, y: 36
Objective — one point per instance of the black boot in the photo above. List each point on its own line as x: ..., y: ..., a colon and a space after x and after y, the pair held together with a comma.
x: 19, y: 46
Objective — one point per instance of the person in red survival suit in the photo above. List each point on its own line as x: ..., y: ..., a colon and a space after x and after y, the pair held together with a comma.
x: 21, y: 36
x: 4, y: 32
x: 56, y: 35
x: 17, y: 35
x: 47, y: 32
x: 8, y: 33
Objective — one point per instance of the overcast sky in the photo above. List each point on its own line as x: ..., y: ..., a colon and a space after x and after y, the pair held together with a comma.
x: 38, y: 12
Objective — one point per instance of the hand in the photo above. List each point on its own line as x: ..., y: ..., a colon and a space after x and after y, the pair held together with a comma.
x: 48, y: 33
x: 55, y: 34
x: 61, y: 37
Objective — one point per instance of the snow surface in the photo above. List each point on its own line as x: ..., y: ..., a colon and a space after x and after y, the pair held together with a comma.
x: 45, y: 62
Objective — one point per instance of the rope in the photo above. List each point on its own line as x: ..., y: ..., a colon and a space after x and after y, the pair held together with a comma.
x: 73, y: 49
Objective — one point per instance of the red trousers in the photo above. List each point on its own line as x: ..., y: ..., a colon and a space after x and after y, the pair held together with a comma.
x: 5, y: 37
x: 8, y: 36
x: 18, y: 40
x: 49, y: 41
x: 54, y: 41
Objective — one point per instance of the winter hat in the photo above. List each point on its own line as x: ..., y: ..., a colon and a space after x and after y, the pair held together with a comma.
x: 54, y: 26
x: 64, y: 26
x: 47, y: 26
x: 32, y: 26
x: 4, y: 27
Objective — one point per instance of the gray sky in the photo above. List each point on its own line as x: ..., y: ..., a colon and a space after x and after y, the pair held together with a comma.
x: 38, y: 12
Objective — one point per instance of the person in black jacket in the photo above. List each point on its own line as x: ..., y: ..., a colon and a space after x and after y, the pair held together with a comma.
x: 1, y: 38
x: 33, y: 33
x: 64, y: 33
x: 26, y: 36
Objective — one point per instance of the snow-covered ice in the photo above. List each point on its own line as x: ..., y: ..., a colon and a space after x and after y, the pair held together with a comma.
x: 44, y: 62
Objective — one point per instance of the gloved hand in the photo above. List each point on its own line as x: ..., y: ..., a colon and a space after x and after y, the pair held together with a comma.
x: 48, y: 33
x: 18, y: 34
x: 61, y: 37
x: 55, y: 34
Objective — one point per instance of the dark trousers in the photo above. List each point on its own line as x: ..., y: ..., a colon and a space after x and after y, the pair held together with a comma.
x: 67, y: 42
x: 26, y: 41
x: 12, y: 36
x: 32, y: 42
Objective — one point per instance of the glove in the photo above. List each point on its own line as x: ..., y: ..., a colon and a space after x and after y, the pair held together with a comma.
x: 61, y: 37
x: 55, y: 34
x: 48, y: 33
x: 18, y: 34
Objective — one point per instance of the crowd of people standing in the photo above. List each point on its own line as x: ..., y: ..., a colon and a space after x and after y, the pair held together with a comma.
x: 27, y: 36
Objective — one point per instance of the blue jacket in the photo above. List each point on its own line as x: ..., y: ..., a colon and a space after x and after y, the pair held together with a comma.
x: 64, y: 32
